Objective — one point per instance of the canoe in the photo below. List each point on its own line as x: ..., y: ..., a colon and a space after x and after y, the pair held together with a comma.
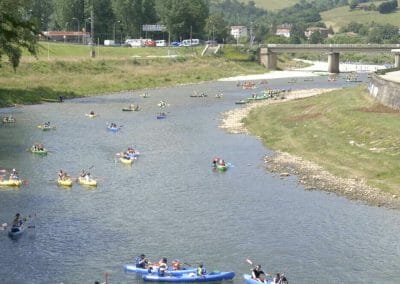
x: 84, y: 181
x: 90, y: 115
x: 113, y: 129
x: 190, y: 277
x: 65, y: 182
x: 39, y: 152
x: 144, y: 271
x: 161, y: 116
x: 241, y: 102
x: 222, y: 168
x: 126, y: 161
x: 11, y: 182
x: 46, y: 128
x: 16, y: 231
x: 127, y: 109
x: 7, y: 119
x: 249, y: 280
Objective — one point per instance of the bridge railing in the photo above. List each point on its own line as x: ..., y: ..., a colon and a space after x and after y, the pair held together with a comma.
x: 332, y: 45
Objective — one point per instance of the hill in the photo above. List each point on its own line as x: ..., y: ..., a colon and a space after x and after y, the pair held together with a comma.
x: 273, y: 5
x: 341, y: 16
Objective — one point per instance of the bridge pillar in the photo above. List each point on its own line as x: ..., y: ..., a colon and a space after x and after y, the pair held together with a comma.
x: 268, y: 58
x: 333, y: 62
x: 396, y: 57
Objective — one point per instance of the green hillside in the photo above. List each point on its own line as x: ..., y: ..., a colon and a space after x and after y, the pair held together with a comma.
x: 273, y: 5
x: 341, y: 16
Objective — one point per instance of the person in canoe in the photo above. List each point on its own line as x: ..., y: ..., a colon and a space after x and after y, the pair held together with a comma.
x: 257, y: 273
x: 162, y: 266
x: 126, y: 156
x: 176, y: 264
x: 17, y: 220
x: 46, y: 124
x: 14, y: 175
x: 91, y: 112
x: 141, y: 261
x: 201, y: 271
x: 62, y: 175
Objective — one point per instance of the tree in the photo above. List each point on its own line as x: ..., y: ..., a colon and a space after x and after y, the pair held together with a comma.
x: 316, y: 37
x: 216, y: 28
x: 183, y: 18
x: 17, y: 30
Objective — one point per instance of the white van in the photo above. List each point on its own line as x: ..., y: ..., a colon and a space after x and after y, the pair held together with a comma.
x: 135, y: 42
x: 161, y: 42
x: 190, y: 42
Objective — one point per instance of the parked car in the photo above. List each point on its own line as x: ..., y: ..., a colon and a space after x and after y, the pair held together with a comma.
x: 191, y: 42
x: 149, y: 42
x: 211, y: 42
x: 176, y: 43
x: 161, y: 42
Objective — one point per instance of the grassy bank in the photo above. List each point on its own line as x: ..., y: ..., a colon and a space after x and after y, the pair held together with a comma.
x: 344, y: 131
x: 67, y: 70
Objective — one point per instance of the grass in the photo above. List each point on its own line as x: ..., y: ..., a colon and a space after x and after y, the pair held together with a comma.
x: 274, y: 5
x: 340, y: 17
x: 70, y: 72
x: 345, y: 131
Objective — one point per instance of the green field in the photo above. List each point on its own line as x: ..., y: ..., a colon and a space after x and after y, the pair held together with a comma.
x: 69, y: 71
x: 344, y: 131
x: 273, y: 5
x: 341, y: 16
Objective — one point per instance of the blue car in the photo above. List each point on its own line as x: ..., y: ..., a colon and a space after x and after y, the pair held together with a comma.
x: 176, y: 43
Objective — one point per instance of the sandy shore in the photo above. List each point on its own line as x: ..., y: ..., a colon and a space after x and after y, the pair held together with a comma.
x: 310, y: 175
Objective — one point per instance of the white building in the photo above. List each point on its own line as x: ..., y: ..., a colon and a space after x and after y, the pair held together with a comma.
x: 238, y: 31
x: 283, y: 30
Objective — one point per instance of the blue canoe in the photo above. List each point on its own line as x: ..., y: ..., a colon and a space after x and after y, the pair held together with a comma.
x: 145, y: 271
x: 249, y: 280
x: 113, y: 129
x: 191, y: 277
x: 161, y: 116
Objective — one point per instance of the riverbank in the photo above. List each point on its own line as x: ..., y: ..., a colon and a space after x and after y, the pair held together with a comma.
x: 65, y: 70
x: 348, y: 166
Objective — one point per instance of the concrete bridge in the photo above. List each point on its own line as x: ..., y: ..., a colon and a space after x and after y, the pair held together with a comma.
x: 268, y: 52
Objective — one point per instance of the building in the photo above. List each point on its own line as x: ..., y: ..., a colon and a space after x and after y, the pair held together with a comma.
x: 238, y: 31
x: 311, y: 30
x: 283, y: 30
x: 67, y: 36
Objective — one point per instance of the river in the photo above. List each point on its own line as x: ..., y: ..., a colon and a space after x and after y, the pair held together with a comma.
x: 170, y: 203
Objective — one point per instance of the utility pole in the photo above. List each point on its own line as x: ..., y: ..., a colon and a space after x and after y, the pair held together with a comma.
x: 93, y: 51
x: 251, y: 34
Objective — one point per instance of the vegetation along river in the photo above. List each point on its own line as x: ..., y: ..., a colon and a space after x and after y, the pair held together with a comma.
x: 170, y: 203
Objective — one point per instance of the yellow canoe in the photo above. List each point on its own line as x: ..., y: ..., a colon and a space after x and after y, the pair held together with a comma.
x: 126, y: 161
x: 65, y: 182
x: 90, y: 182
x: 11, y: 182
x: 91, y: 115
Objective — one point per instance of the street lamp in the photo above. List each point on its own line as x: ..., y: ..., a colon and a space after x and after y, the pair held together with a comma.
x: 114, y: 28
x: 78, y: 26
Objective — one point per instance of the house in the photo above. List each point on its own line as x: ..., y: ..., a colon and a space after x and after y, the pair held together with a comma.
x: 238, y: 31
x: 283, y: 30
x: 311, y: 30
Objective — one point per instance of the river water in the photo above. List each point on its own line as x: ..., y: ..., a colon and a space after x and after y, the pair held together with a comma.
x: 170, y: 203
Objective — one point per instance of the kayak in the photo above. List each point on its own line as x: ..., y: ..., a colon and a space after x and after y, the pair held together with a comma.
x: 143, y: 271
x: 127, y: 109
x: 190, y: 277
x: 84, y: 181
x: 11, y: 182
x: 161, y: 116
x: 249, y: 280
x: 65, y: 182
x: 126, y: 161
x: 16, y: 231
x: 39, y: 152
